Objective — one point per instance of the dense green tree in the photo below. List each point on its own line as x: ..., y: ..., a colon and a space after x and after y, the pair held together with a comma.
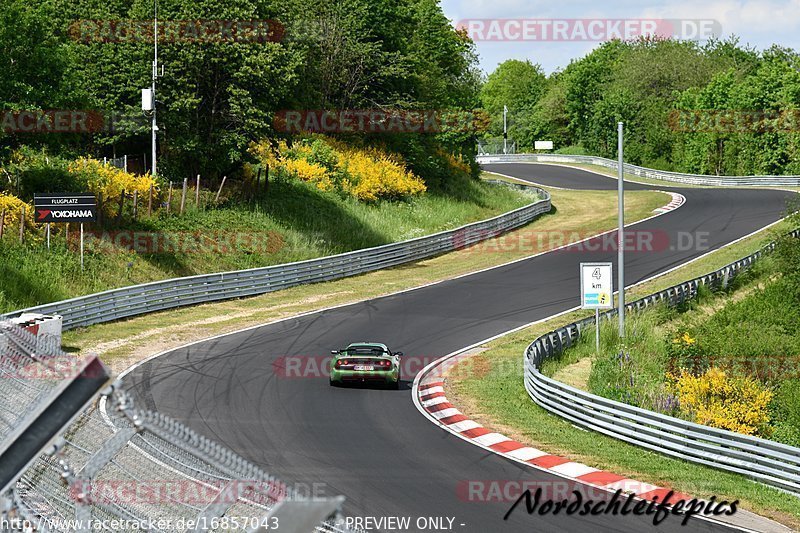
x: 517, y: 85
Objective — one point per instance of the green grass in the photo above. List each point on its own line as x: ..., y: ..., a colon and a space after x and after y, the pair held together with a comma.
x: 125, y: 342
x: 750, y: 330
x: 294, y: 221
x: 491, y: 392
x: 493, y: 395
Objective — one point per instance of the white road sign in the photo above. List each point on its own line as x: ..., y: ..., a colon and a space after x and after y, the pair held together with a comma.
x: 542, y: 145
x: 597, y: 286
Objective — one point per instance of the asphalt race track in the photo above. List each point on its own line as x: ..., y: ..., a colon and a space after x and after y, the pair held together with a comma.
x: 372, y: 445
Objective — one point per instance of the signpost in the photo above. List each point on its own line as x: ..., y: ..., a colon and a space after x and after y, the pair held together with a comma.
x: 621, y: 232
x: 597, y: 290
x: 65, y: 207
x: 542, y: 145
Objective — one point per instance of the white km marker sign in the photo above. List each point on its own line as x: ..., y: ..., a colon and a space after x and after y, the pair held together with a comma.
x: 597, y: 290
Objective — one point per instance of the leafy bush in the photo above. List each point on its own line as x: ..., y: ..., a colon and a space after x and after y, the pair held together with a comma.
x: 37, y: 171
x: 685, y: 353
x: 573, y: 150
x: 109, y: 182
x: 716, y: 399
x: 13, y: 210
x: 308, y: 171
x: 785, y: 412
x: 764, y: 323
x: 370, y: 174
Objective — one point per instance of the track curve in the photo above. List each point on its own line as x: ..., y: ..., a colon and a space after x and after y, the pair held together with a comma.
x: 373, y: 446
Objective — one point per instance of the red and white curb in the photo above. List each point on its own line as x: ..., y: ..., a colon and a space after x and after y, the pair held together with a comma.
x: 430, y: 399
x: 430, y: 396
x: 677, y: 201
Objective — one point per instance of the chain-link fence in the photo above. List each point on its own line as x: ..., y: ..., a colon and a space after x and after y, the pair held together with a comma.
x: 114, y: 467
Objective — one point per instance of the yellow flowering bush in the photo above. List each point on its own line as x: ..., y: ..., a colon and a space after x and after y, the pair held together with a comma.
x: 372, y: 174
x: 715, y: 399
x: 368, y: 174
x: 456, y: 163
x: 108, y: 182
x: 310, y: 172
x: 13, y: 209
x: 685, y: 353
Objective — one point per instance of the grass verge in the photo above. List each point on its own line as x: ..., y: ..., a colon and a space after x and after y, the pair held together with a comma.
x: 124, y: 342
x: 293, y: 221
x: 493, y: 395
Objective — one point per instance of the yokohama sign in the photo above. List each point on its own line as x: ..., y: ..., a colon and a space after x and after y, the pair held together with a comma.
x: 65, y: 207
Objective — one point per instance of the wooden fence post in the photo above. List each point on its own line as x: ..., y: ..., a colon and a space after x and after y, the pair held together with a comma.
x: 221, y: 185
x: 169, y: 198
x: 257, y: 184
x: 197, y: 192
x: 2, y: 222
x: 121, y: 207
x: 22, y: 225
x: 150, y: 202
x: 183, y: 194
x: 135, y: 203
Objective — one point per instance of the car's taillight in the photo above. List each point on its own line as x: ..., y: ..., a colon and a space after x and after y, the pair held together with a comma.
x: 340, y: 363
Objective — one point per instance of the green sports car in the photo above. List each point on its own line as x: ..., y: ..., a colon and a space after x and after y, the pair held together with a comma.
x: 363, y: 362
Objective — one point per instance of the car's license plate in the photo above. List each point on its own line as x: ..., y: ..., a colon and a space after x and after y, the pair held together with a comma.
x: 363, y: 367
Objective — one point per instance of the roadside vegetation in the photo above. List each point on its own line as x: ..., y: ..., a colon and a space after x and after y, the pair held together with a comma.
x: 669, y: 359
x: 729, y: 359
x: 721, y: 108
x: 292, y: 219
x: 267, y: 193
x: 576, y: 215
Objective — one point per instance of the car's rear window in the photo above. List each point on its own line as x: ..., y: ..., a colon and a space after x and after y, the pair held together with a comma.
x: 364, y: 351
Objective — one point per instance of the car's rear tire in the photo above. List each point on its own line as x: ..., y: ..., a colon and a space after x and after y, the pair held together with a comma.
x: 396, y: 384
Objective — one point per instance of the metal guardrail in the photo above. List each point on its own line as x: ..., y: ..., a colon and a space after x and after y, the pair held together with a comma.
x: 168, y: 294
x: 126, y: 464
x: 676, y: 177
x: 764, y: 460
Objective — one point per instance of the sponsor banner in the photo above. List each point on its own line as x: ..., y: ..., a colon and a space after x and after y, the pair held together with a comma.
x: 65, y: 207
